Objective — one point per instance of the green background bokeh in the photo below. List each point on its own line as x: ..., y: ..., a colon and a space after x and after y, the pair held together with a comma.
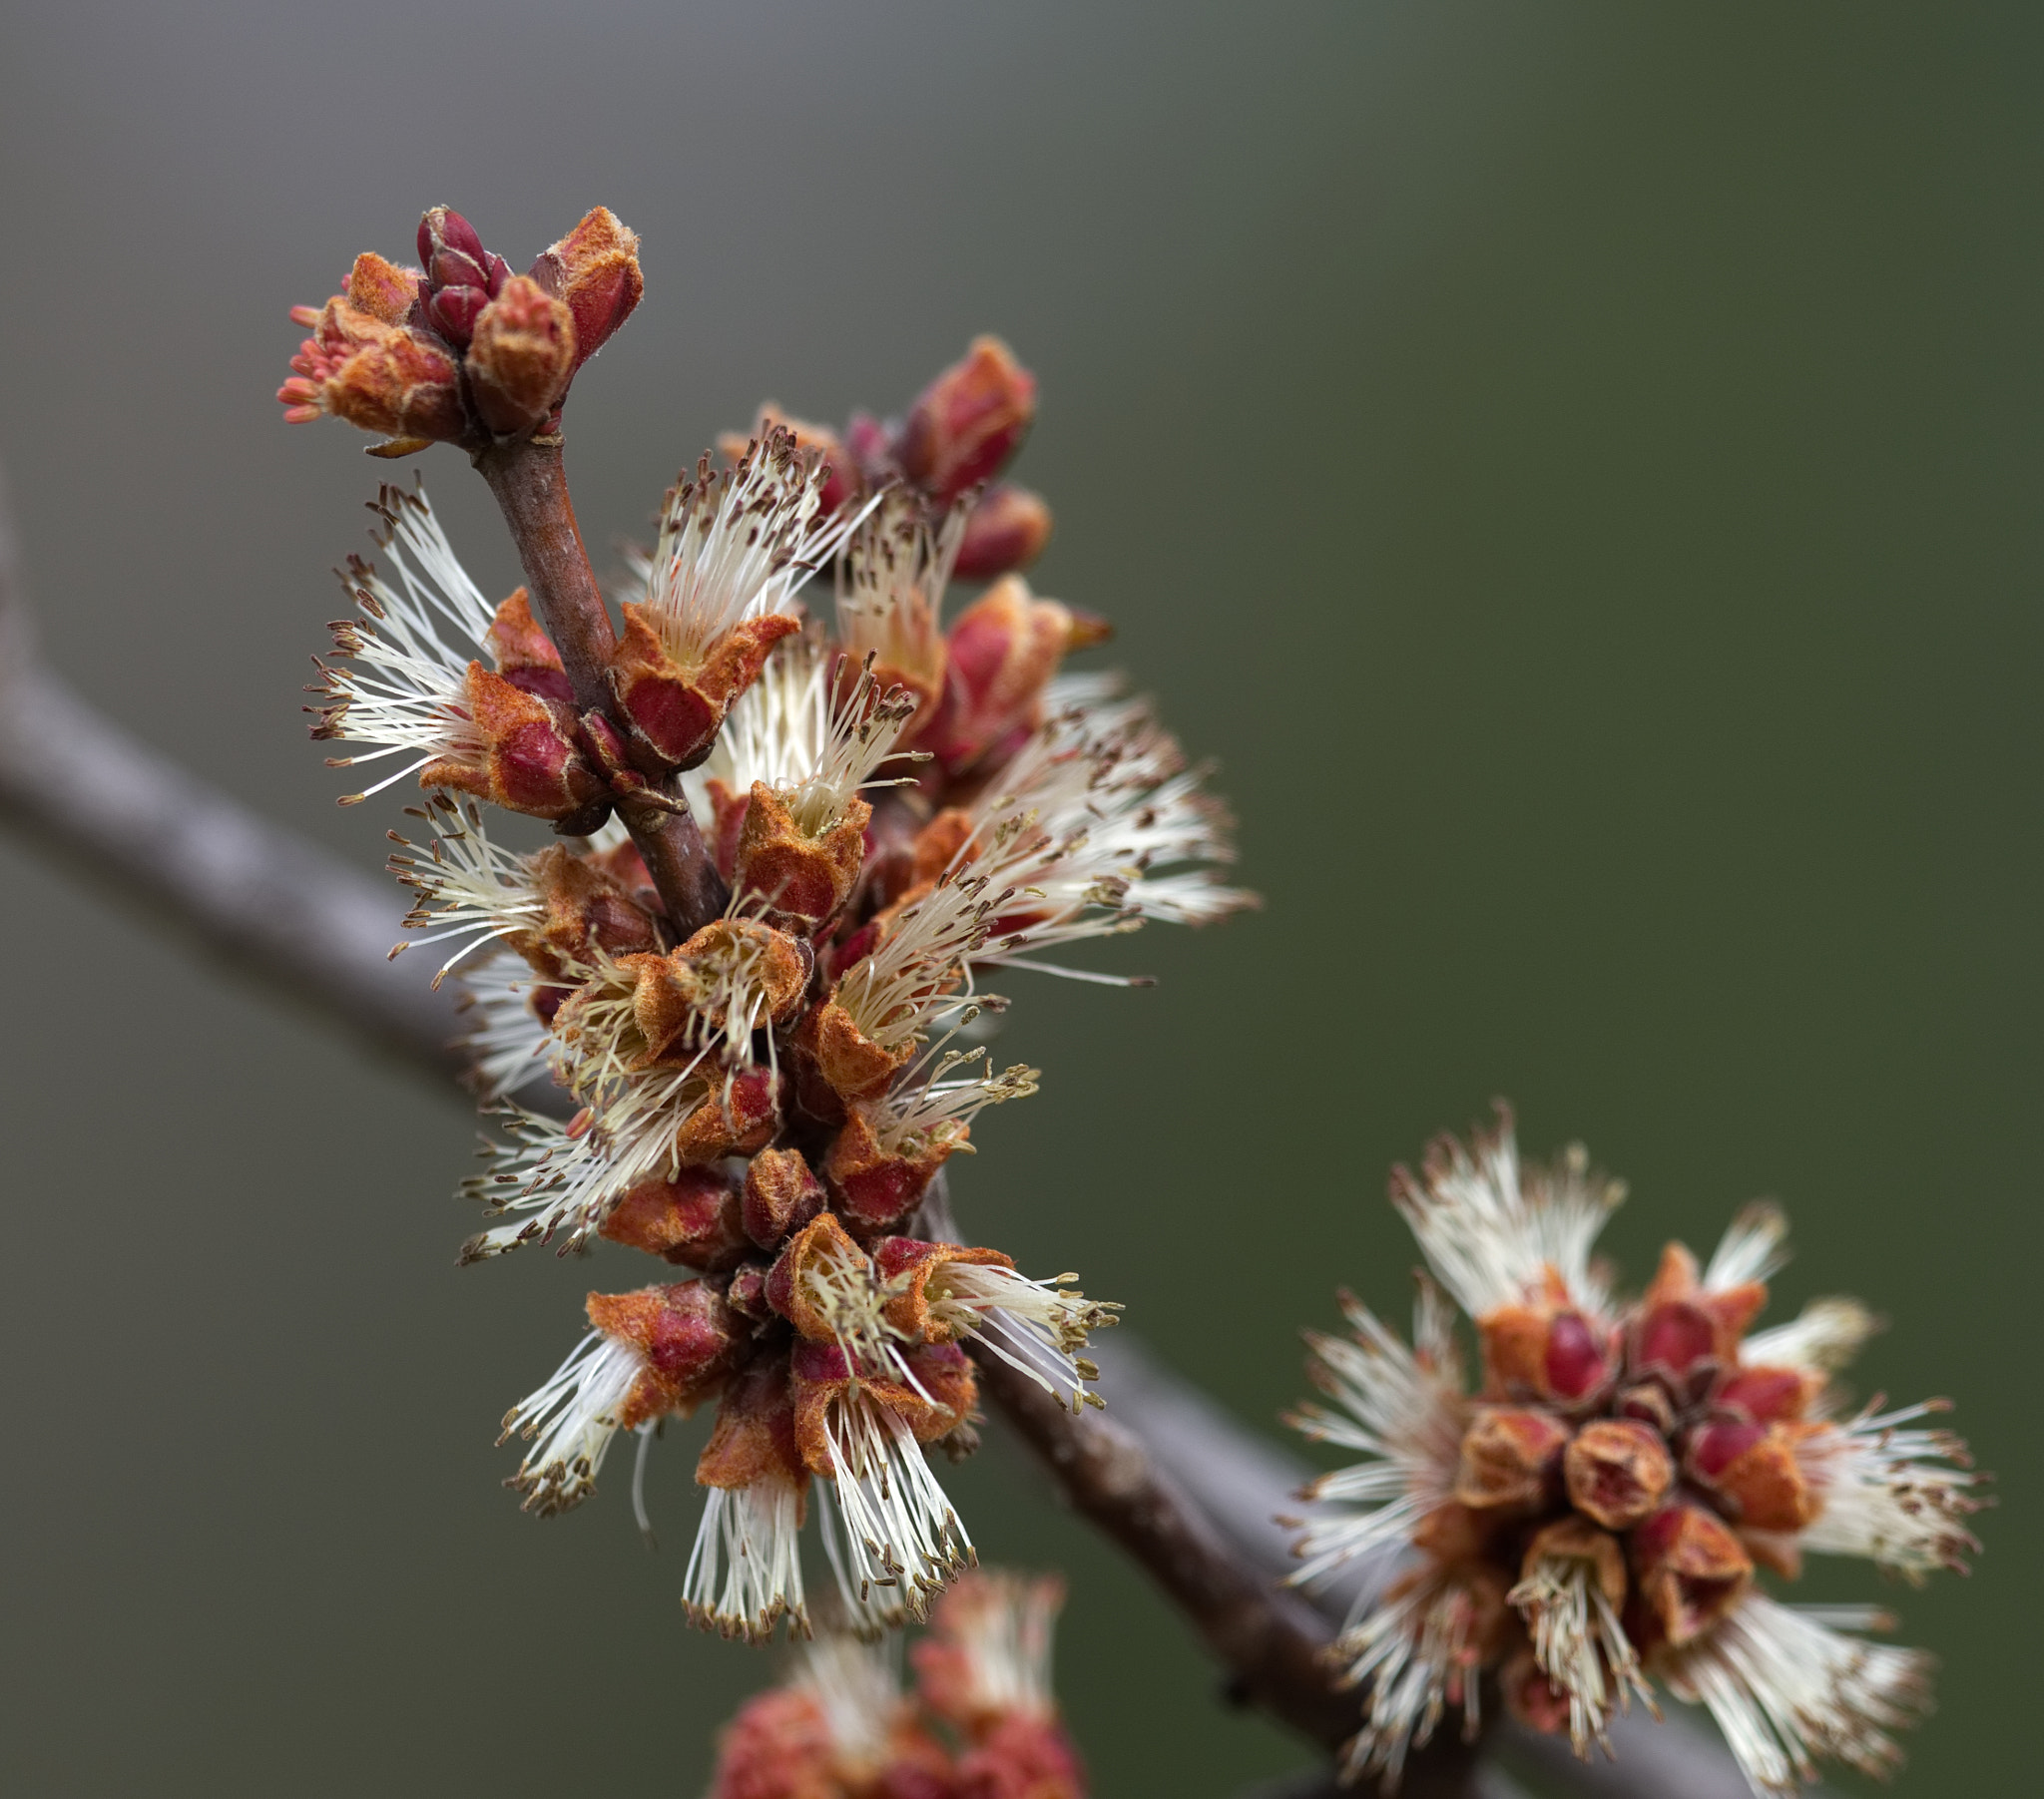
x: 1575, y: 467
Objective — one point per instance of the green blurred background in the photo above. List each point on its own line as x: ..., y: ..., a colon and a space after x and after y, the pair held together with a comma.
x: 1576, y: 468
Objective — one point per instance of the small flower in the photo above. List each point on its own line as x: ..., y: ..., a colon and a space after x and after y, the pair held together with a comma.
x: 1597, y: 1514
x: 982, y: 1722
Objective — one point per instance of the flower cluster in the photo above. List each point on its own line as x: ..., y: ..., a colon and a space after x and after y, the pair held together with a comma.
x: 983, y: 1723
x: 762, y: 1093
x: 1597, y: 1514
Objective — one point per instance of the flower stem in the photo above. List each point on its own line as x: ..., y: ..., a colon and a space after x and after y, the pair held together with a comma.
x: 531, y: 486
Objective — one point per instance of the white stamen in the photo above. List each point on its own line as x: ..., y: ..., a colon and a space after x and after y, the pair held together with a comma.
x: 1887, y: 1494
x: 1750, y: 1250
x: 745, y: 1572
x: 575, y: 1416
x: 903, y: 1542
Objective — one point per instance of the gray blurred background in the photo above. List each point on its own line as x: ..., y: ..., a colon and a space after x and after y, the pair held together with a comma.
x: 1575, y: 467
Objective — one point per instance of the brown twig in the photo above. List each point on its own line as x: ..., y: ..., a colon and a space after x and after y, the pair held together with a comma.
x: 531, y: 486
x: 1184, y: 1488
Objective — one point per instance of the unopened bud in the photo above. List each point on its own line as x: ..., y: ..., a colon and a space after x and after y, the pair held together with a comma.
x: 461, y: 277
x: 1544, y: 1354
x: 382, y: 290
x: 969, y: 422
x: 693, y: 1220
x: 1006, y: 531
x: 594, y: 270
x: 379, y: 376
x: 521, y: 356
x: 781, y: 1196
x: 1752, y: 1468
x: 999, y: 655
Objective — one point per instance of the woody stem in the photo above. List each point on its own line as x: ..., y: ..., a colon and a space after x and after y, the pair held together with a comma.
x: 531, y: 486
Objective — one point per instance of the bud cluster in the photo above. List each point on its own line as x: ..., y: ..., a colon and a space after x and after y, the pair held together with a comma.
x: 980, y: 1723
x: 896, y: 805
x: 1598, y: 1510
x: 459, y: 349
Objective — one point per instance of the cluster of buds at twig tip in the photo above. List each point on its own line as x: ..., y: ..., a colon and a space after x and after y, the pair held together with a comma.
x: 459, y: 349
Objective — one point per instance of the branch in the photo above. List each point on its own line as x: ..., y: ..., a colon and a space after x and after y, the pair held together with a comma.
x: 531, y: 487
x: 1182, y: 1487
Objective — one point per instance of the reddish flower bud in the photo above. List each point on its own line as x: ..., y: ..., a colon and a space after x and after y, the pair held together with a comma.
x: 594, y: 270
x: 1650, y: 1403
x: 999, y: 654
x: 781, y: 1196
x: 528, y: 760
x: 1691, y: 1571
x: 1532, y: 1698
x: 875, y: 1188
x: 945, y: 1376
x: 969, y: 422
x: 687, y: 1334
x: 1767, y: 1395
x: 1006, y: 531
x: 1509, y: 1458
x: 803, y: 879
x: 821, y: 1376
x: 693, y: 1219
x: 1618, y: 1471
x: 854, y: 1067
x: 1752, y: 1468
x: 747, y: 1292
x: 1023, y: 1756
x: 520, y: 358
x: 1542, y: 1353
x: 587, y: 909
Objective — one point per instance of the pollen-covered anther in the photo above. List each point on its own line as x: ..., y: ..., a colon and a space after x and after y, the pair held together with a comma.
x: 1618, y: 1471
x: 693, y: 1219
x: 1510, y: 1459
x: 781, y: 1195
x: 1690, y: 1570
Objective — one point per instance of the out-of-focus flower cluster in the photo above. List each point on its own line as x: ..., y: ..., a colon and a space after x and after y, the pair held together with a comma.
x: 1597, y: 1514
x: 980, y: 1723
x: 897, y: 805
